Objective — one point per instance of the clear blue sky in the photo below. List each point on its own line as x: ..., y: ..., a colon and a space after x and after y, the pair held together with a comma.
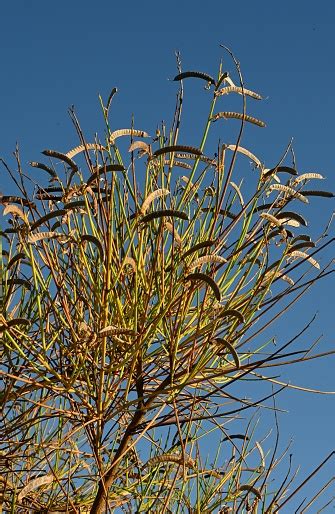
x: 55, y: 54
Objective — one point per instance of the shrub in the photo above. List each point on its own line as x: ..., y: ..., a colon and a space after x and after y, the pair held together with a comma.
x: 135, y: 285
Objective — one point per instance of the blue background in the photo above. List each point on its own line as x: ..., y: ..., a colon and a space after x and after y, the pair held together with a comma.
x: 55, y: 54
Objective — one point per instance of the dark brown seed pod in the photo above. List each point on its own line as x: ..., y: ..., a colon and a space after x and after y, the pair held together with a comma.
x: 198, y: 246
x: 223, y: 343
x: 61, y: 157
x: 280, y: 169
x: 14, y: 322
x: 48, y: 196
x: 277, y: 232
x: 45, y: 193
x: 292, y: 215
x: 16, y: 258
x: 243, y: 437
x: 94, y: 240
x: 325, y: 194
x: 44, y: 167
x: 18, y: 200
x: 304, y: 244
x: 265, y: 206
x: 74, y: 205
x: 177, y: 148
x: 238, y: 116
x: 110, y: 98
x: 50, y: 189
x: 250, y: 489
x: 194, y: 74
x: 202, y: 158
x: 233, y: 312
x: 223, y: 212
x: 21, y: 282
x: 302, y: 237
x: 47, y: 217
x: 104, y: 169
x: 209, y: 281
x: 165, y: 212
x: 12, y: 231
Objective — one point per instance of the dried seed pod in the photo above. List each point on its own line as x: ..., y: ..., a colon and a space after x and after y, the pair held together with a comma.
x: 251, y: 489
x: 307, y: 176
x: 205, y: 260
x: 324, y: 194
x: 40, y: 236
x: 304, y: 244
x: 143, y: 147
x: 288, y: 190
x: 224, y: 344
x: 92, y: 239
x: 194, y: 74
x: 44, y: 167
x: 233, y: 312
x: 111, y: 330
x: 292, y: 215
x: 61, y: 156
x: 209, y: 281
x: 127, y: 132
x: 238, y: 116
x: 198, y: 246
x: 34, y: 484
x: 81, y: 148
x: 159, y: 193
x: 305, y: 256
x: 279, y: 169
x: 110, y: 98
x: 104, y: 169
x: 235, y: 89
x: 14, y: 209
x: 47, y: 217
x: 170, y: 457
x: 174, y: 232
x: 18, y: 257
x: 272, y: 219
x: 177, y: 148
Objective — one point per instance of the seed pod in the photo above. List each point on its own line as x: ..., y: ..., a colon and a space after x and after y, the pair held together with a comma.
x: 289, y: 190
x: 82, y: 148
x: 206, y: 259
x: 127, y: 132
x: 235, y: 89
x: 233, y: 312
x: 47, y: 217
x: 292, y: 215
x: 307, y: 176
x: 194, y: 74
x: 42, y: 166
x: 198, y: 246
x: 92, y: 239
x: 177, y: 148
x: 304, y: 256
x: 61, y: 156
x: 159, y: 193
x: 223, y: 343
x: 209, y: 281
x: 238, y: 116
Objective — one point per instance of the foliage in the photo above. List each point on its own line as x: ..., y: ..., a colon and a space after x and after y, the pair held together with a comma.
x: 135, y: 286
